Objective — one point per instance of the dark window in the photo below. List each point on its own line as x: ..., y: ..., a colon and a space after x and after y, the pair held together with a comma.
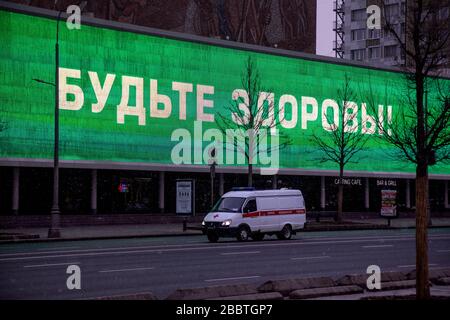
x: 230, y: 204
x: 390, y: 51
x: 250, y: 206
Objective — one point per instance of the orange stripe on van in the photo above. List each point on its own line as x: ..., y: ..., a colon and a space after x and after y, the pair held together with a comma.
x: 273, y: 213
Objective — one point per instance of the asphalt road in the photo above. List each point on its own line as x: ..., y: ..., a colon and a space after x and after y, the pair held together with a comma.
x: 161, y: 265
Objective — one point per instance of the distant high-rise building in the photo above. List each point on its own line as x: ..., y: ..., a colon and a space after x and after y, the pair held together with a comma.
x: 375, y: 45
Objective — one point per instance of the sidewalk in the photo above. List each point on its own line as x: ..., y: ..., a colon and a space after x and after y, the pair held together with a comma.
x: 99, y: 232
x: 176, y: 229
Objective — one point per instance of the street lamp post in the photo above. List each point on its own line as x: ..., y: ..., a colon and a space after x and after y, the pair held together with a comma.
x: 212, y: 170
x: 54, y: 231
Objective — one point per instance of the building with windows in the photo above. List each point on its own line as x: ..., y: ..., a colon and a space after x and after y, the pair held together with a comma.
x: 378, y: 46
x: 373, y: 45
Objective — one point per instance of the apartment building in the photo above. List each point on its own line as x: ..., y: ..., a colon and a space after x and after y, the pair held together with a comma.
x: 372, y: 45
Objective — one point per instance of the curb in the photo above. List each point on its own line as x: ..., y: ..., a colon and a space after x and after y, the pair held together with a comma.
x: 401, y: 297
x: 18, y: 237
x: 398, y: 285
x: 430, y: 227
x: 445, y: 281
x: 162, y: 235
x: 254, y: 297
x: 289, y: 285
x: 34, y: 238
x: 214, y: 292
x: 136, y: 296
x: 325, y: 292
x: 346, y: 228
x: 363, y: 226
x: 386, y: 277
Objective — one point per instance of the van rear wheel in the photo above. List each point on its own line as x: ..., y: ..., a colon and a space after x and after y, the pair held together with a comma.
x: 243, y: 233
x: 285, y: 233
x: 212, y: 237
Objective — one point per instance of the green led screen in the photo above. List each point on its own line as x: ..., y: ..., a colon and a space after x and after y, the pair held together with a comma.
x: 124, y: 95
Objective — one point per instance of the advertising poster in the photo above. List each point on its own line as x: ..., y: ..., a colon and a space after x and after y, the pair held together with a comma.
x: 185, y: 196
x: 388, y: 203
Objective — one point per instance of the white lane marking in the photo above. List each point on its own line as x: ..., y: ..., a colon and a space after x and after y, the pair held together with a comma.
x: 204, y: 244
x: 50, y: 265
x: 57, y: 248
x: 379, y: 246
x: 277, y: 244
x: 443, y: 250
x: 207, y: 245
x: 100, y: 249
x: 234, y: 278
x: 413, y: 265
x: 244, y: 252
x: 384, y: 237
x: 441, y: 289
x: 124, y: 270
x: 308, y: 258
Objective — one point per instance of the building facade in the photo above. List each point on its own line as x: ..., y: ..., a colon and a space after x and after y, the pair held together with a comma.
x: 373, y: 45
x: 282, y: 24
x: 380, y: 46
x: 119, y: 136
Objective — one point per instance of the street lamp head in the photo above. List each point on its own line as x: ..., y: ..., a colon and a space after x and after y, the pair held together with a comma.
x: 44, y: 82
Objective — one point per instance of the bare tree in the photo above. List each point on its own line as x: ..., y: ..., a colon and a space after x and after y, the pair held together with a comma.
x: 253, y: 118
x: 342, y: 143
x: 420, y: 130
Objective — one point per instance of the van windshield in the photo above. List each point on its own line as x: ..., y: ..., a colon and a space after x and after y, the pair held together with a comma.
x: 229, y: 204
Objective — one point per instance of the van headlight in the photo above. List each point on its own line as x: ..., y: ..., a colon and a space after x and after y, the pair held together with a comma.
x: 203, y: 223
x: 226, y: 223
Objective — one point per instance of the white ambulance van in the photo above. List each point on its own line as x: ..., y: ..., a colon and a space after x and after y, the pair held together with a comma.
x: 248, y: 213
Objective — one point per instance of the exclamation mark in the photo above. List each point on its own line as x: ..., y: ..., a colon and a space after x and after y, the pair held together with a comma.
x: 389, y: 119
x: 380, y: 119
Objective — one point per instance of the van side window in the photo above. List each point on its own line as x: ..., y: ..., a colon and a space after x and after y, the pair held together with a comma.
x: 250, y: 206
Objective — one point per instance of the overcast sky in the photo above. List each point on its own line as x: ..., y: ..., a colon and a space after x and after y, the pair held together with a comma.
x: 324, y: 31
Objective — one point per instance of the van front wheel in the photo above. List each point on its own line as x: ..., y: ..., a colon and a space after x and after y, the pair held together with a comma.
x: 243, y: 233
x: 285, y: 233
